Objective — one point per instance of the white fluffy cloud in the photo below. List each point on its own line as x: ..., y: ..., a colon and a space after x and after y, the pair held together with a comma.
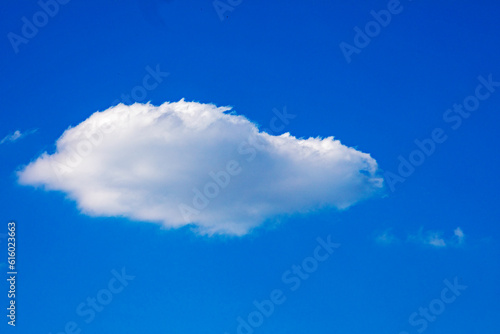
x: 427, y: 238
x: 16, y: 135
x: 459, y: 235
x: 436, y: 239
x: 187, y: 163
x: 386, y: 238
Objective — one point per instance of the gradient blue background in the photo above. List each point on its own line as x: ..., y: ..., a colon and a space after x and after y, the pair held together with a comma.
x: 264, y: 55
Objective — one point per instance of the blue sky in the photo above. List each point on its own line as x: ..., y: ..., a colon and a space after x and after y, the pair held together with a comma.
x: 397, y: 247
